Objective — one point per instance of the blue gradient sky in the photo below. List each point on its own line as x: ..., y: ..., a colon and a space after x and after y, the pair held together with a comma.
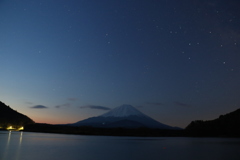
x: 62, y: 61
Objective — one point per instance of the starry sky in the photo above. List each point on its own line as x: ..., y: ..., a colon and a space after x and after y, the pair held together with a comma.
x: 62, y: 61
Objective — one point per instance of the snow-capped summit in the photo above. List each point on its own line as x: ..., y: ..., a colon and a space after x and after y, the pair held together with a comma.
x: 123, y: 111
x: 125, y: 116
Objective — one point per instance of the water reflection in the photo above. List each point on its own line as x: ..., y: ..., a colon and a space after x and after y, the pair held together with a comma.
x: 5, y: 153
x: 20, y: 140
x: 14, y: 148
x: 19, y: 146
x: 32, y: 146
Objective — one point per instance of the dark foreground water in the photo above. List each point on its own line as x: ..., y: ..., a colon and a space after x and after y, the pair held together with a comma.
x: 43, y: 146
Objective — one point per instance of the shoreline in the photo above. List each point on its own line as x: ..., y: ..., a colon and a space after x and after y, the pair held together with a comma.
x: 136, y: 132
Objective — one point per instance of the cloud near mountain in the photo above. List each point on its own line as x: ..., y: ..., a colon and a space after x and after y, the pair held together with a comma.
x: 63, y: 105
x: 39, y: 107
x: 95, y: 107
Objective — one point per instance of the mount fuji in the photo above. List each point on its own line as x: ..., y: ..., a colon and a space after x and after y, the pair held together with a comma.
x: 125, y: 116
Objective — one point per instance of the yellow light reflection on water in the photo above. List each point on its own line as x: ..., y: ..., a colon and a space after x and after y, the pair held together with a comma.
x: 10, y: 148
x: 7, y: 145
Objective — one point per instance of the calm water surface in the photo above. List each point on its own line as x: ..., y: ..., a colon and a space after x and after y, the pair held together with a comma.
x: 39, y: 146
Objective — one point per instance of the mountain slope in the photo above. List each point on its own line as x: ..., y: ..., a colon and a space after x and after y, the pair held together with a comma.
x: 225, y: 125
x: 125, y: 116
x: 10, y: 117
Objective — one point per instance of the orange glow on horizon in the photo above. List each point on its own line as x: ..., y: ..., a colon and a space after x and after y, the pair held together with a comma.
x: 54, y: 120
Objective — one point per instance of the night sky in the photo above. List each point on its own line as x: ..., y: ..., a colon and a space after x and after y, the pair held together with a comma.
x: 62, y: 61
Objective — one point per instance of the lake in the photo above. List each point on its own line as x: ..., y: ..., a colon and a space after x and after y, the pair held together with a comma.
x: 38, y: 146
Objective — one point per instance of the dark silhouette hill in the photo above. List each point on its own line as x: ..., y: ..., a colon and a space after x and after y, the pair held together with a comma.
x: 227, y: 125
x: 10, y: 117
